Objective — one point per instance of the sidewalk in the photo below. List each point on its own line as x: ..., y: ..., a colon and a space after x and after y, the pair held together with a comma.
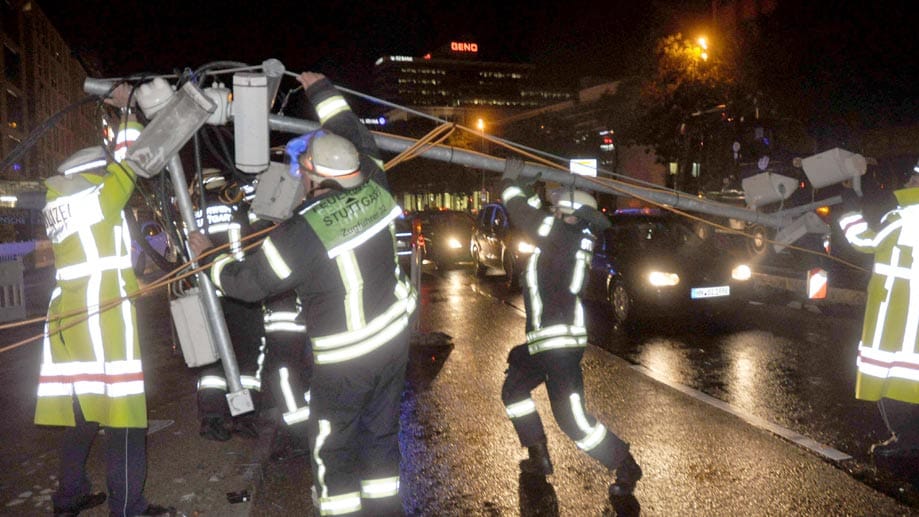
x: 193, y: 474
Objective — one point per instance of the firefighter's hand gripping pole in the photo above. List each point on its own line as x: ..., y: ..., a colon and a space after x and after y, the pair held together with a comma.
x: 238, y: 398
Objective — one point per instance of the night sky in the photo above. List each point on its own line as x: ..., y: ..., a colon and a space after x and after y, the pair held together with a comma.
x: 842, y: 60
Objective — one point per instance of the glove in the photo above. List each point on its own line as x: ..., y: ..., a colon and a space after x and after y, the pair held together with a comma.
x: 513, y: 166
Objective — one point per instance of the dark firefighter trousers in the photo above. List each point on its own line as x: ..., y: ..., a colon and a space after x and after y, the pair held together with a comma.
x: 288, y: 370
x: 125, y: 460
x: 245, y: 327
x: 354, y: 424
x: 561, y: 371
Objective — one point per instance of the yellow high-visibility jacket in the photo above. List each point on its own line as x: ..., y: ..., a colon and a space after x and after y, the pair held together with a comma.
x: 91, y: 354
x: 888, y: 354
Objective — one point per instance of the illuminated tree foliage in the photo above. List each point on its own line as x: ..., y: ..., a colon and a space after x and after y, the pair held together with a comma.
x: 684, y: 84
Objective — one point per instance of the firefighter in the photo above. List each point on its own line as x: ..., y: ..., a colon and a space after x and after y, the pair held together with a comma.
x: 555, y: 329
x: 338, y: 253
x: 888, y: 352
x: 222, y: 216
x: 91, y: 371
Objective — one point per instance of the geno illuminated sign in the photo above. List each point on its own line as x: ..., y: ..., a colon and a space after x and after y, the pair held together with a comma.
x: 462, y: 46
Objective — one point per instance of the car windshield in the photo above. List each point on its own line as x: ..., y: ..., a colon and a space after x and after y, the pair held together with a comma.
x: 669, y: 234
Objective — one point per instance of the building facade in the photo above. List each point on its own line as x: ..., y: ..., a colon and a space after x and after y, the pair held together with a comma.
x: 40, y: 79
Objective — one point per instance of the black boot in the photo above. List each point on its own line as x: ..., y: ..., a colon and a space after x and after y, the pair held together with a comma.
x: 214, y: 428
x: 82, y: 503
x: 286, y: 445
x: 538, y: 463
x: 627, y: 475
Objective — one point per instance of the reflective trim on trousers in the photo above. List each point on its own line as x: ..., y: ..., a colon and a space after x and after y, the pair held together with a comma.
x: 380, y: 488
x: 593, y: 434
x: 520, y: 409
x: 340, y: 504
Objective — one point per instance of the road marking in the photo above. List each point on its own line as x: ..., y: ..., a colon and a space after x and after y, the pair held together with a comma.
x: 792, y: 436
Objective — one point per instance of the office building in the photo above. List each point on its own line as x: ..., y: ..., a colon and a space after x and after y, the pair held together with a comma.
x: 453, y: 84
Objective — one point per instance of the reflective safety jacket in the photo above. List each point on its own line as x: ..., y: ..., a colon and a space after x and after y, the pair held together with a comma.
x: 888, y: 354
x: 554, y: 274
x: 338, y: 253
x: 88, y: 351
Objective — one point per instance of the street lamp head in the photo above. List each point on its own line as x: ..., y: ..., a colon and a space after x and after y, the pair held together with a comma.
x: 480, y: 124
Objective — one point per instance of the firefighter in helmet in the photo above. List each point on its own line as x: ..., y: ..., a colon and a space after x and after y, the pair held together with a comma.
x: 555, y: 329
x: 338, y: 253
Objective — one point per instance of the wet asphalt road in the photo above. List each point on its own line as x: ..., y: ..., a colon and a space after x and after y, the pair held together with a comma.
x: 698, y: 460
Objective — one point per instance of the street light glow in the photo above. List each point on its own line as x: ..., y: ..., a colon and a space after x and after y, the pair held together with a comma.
x: 702, y: 42
x: 480, y: 124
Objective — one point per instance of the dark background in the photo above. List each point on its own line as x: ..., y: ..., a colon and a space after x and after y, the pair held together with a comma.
x: 837, y: 62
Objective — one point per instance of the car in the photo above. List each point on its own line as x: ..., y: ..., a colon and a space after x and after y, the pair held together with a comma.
x: 446, y: 234
x: 497, y: 245
x: 654, y: 264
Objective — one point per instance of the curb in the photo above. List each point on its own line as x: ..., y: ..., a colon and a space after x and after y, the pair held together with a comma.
x: 798, y: 288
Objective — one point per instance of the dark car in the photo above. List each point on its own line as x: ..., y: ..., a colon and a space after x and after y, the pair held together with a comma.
x: 496, y: 244
x: 653, y: 264
x: 446, y: 236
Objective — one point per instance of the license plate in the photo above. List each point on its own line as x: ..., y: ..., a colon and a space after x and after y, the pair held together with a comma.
x: 710, y: 292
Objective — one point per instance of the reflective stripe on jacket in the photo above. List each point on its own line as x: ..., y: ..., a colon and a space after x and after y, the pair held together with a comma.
x: 554, y: 275
x: 888, y: 354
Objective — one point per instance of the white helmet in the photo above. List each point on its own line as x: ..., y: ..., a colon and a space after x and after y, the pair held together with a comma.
x: 567, y: 201
x: 332, y: 161
x: 85, y: 160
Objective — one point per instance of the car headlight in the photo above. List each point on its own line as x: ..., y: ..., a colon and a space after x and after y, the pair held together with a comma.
x: 454, y: 244
x: 742, y: 272
x: 662, y: 279
x: 525, y: 247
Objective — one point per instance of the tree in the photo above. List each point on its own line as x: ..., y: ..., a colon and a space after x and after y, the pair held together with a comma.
x: 684, y: 100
